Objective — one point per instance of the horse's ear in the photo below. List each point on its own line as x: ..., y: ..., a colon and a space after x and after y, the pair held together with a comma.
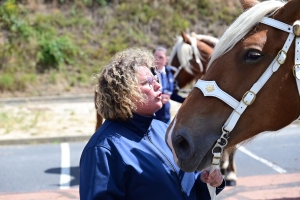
x: 246, y: 4
x: 185, y: 38
x: 289, y: 13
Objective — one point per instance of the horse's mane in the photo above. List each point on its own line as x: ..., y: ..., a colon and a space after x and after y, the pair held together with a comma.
x: 242, y: 25
x: 184, y: 53
x: 206, y: 38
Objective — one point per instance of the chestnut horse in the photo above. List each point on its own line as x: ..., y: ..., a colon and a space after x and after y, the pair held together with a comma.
x: 252, y: 85
x: 186, y: 66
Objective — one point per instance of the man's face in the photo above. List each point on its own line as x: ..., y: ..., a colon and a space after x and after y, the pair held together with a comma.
x: 160, y: 59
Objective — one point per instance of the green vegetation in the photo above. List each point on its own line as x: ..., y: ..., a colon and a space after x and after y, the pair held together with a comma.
x: 62, y: 42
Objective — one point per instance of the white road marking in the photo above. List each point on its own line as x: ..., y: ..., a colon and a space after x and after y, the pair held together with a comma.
x: 268, y: 163
x: 65, y: 177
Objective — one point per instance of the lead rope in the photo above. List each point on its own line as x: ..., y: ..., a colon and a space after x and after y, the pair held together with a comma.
x: 217, y: 152
x: 210, y: 88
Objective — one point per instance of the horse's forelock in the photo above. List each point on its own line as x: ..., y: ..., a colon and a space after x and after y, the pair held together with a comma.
x: 185, y: 54
x: 207, y: 38
x: 242, y: 25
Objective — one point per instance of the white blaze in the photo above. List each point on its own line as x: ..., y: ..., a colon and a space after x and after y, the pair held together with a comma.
x: 169, y: 140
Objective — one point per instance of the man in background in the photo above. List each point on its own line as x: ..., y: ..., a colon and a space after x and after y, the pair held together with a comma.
x: 167, y: 82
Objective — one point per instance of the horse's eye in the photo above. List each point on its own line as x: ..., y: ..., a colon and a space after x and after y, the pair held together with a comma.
x: 253, y: 56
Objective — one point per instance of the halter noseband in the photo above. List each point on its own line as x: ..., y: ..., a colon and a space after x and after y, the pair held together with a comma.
x: 210, y: 88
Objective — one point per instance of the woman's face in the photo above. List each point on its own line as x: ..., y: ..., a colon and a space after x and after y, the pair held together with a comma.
x: 150, y: 88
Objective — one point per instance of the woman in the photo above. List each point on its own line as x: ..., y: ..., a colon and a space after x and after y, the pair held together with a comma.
x: 127, y: 158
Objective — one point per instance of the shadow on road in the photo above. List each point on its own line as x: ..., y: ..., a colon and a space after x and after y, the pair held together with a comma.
x: 74, y: 172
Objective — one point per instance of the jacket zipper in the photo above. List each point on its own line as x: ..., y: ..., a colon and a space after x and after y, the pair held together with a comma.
x: 147, y: 136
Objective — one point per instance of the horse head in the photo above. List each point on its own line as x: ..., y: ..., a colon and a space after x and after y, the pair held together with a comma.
x: 189, y: 57
x: 252, y: 85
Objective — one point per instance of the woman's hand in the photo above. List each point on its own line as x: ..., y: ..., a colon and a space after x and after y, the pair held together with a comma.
x: 215, y: 179
x: 165, y: 98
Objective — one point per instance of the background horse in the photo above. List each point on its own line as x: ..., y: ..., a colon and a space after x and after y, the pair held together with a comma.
x: 256, y: 61
x: 189, y: 57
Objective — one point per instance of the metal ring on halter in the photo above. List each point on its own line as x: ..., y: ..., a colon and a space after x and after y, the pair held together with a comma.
x: 221, y: 142
x: 296, y: 30
x: 225, y: 132
x: 278, y: 55
x: 294, y: 70
x: 218, y: 146
x: 253, y: 99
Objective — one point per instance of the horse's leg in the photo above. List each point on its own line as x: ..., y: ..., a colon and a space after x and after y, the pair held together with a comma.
x: 99, y: 118
x: 231, y: 176
x: 224, y: 162
x: 228, y: 168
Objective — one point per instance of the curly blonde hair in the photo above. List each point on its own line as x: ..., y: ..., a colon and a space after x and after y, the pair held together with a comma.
x: 117, y: 88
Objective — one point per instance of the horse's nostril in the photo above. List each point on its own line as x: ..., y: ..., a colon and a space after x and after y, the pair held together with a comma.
x: 184, y: 148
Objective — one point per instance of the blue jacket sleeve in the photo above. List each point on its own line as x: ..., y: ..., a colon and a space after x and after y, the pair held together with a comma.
x: 202, y: 190
x: 96, y: 179
x: 176, y: 97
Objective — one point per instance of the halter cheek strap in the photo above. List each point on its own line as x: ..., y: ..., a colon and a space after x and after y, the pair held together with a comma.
x: 210, y: 88
x: 296, y: 68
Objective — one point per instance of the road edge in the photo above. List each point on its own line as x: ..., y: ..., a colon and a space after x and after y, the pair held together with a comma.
x: 43, y: 140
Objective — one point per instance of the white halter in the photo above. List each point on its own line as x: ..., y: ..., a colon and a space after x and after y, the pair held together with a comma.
x: 186, y: 64
x: 210, y: 88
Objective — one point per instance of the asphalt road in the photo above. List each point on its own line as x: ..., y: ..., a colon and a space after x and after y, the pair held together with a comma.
x: 30, y: 169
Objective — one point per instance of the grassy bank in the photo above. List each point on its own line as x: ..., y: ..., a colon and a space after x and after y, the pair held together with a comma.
x: 53, y: 47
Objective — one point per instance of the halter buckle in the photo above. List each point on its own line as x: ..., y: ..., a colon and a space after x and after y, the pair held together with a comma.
x: 248, y: 98
x: 296, y: 30
x: 296, y: 71
x: 281, y: 56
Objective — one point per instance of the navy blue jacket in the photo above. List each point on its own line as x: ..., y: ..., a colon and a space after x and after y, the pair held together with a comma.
x: 164, y: 114
x: 130, y: 160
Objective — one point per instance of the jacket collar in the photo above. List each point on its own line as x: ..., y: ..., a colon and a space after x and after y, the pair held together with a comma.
x: 138, y: 123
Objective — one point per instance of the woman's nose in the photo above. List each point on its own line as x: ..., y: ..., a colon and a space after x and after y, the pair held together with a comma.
x: 156, y: 85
